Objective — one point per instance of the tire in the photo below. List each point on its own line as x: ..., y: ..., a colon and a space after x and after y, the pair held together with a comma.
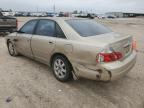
x: 11, y: 49
x: 62, y: 68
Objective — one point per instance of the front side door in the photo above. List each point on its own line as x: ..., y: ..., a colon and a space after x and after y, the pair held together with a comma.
x: 43, y: 40
x: 23, y: 38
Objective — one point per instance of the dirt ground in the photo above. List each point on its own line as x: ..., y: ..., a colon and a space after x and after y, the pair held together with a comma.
x: 25, y: 83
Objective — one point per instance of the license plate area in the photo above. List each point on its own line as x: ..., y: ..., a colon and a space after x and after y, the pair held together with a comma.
x: 127, y: 49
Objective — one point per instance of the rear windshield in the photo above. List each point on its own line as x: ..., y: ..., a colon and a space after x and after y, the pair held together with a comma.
x: 87, y: 28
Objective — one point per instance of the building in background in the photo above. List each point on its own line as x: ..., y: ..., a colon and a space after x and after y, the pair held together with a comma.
x: 124, y: 14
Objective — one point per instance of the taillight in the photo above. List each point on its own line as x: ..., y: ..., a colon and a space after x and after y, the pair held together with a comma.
x: 108, y: 57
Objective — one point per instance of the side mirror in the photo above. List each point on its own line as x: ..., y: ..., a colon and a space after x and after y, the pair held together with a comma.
x: 18, y: 31
x: 13, y: 30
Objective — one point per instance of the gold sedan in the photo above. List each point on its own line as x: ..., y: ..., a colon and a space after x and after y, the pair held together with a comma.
x: 75, y: 48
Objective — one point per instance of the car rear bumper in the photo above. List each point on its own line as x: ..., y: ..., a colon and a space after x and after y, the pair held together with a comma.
x: 108, y: 71
x: 120, y: 68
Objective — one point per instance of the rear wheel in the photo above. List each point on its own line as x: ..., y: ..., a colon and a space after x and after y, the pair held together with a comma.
x: 11, y: 49
x: 62, y: 69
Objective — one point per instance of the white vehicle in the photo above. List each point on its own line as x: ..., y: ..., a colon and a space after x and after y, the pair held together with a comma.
x: 8, y: 13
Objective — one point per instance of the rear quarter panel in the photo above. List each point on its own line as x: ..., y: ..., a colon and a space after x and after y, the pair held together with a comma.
x: 77, y: 52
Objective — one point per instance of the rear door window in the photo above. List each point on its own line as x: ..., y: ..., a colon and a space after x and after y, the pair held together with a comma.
x: 46, y: 28
x: 59, y: 32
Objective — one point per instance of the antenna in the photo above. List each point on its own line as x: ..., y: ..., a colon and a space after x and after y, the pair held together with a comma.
x: 37, y: 8
x: 54, y: 8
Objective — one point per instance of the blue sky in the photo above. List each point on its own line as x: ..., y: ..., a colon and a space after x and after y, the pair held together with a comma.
x: 96, y: 6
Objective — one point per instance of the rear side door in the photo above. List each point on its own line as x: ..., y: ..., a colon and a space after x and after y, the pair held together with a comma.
x: 23, y: 38
x: 43, y: 41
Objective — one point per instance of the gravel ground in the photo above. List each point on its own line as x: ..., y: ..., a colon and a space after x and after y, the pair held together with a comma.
x: 25, y: 83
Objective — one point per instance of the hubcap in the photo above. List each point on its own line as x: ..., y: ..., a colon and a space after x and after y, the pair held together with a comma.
x: 59, y: 68
x: 11, y: 48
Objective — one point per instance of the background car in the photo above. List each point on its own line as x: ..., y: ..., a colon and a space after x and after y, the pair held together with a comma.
x: 111, y: 16
x: 7, y: 23
x: 86, y: 15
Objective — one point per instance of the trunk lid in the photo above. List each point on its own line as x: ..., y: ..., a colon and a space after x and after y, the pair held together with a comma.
x: 117, y: 42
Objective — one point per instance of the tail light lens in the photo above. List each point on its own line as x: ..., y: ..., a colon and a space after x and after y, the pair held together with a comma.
x: 108, y: 57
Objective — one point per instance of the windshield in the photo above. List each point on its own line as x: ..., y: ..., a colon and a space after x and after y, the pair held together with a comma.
x: 87, y: 28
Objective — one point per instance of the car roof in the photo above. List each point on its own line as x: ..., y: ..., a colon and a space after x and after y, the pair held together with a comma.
x: 68, y: 30
x: 61, y: 18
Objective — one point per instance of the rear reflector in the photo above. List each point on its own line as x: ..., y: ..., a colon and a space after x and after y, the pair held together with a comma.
x: 108, y: 57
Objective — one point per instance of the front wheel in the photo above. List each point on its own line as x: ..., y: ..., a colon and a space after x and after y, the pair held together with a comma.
x: 11, y: 49
x: 62, y: 68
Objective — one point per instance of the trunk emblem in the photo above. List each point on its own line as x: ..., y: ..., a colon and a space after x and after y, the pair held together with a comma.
x: 127, y: 48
